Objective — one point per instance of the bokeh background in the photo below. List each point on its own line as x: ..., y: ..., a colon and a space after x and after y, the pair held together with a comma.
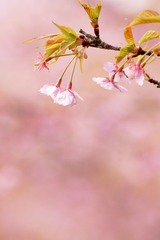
x: 86, y: 172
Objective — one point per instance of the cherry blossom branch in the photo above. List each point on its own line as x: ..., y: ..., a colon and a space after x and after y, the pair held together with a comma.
x: 155, y: 82
x: 94, y: 41
x: 132, y: 68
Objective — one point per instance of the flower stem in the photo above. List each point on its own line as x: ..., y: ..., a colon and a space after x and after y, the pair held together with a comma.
x: 68, y: 66
x: 151, y: 55
x: 73, y: 70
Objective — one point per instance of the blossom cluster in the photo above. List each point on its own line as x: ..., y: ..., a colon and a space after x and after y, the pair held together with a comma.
x: 61, y: 96
x: 132, y: 56
x: 133, y: 72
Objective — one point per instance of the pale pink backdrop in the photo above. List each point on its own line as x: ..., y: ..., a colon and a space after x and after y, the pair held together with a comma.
x: 88, y: 172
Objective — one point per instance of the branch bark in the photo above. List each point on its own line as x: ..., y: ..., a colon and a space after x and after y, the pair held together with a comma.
x: 96, y: 42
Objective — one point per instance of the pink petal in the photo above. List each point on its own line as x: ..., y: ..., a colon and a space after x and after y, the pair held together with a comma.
x: 130, y: 72
x: 48, y: 89
x: 117, y: 77
x: 140, y: 78
x: 40, y: 63
x: 77, y: 95
x: 120, y: 88
x: 104, y: 82
x: 98, y: 80
x: 108, y: 85
x: 121, y: 76
x: 110, y: 67
x: 135, y: 72
x: 65, y: 98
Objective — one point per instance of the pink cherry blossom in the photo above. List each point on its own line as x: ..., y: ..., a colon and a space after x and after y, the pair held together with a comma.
x: 50, y: 90
x: 115, y: 74
x: 41, y: 65
x: 109, y: 84
x: 67, y: 97
x: 60, y: 96
x: 112, y: 69
x: 135, y: 72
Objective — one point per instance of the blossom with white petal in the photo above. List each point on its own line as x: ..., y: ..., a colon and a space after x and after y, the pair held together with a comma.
x: 50, y: 90
x: 135, y: 72
x: 67, y: 97
x: 112, y: 69
x: 61, y: 96
x: 109, y: 84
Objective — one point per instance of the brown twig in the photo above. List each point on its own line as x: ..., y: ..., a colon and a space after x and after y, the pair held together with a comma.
x: 155, y: 82
x: 96, y: 42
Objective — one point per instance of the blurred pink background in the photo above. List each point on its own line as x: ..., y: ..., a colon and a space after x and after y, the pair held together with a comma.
x: 86, y: 172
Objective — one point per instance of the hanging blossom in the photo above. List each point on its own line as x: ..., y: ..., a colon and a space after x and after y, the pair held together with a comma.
x: 50, y: 90
x: 107, y: 83
x: 115, y: 75
x: 135, y: 72
x: 61, y: 96
x: 67, y: 97
x: 113, y: 69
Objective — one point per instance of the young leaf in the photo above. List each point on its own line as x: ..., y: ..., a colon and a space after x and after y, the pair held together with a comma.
x: 50, y: 49
x: 147, y: 16
x: 129, y: 36
x: 93, y: 12
x: 41, y: 37
x: 156, y: 50
x: 124, y: 51
x: 149, y: 35
x: 68, y: 32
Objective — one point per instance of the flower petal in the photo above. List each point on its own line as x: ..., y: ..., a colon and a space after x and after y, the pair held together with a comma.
x: 41, y: 64
x: 135, y: 72
x: 120, y: 88
x: 98, y: 80
x: 65, y: 98
x: 110, y: 67
x: 130, y: 72
x: 48, y: 89
x: 77, y: 95
x: 139, y: 78
x: 121, y: 76
x: 104, y: 82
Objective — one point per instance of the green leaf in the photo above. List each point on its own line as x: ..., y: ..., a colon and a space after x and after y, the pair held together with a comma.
x: 68, y: 32
x: 50, y: 49
x: 129, y: 36
x: 93, y: 12
x: 147, y: 16
x: 124, y: 51
x: 41, y: 37
x: 149, y: 35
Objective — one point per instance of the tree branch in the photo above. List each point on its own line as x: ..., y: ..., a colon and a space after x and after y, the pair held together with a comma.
x: 96, y: 42
x: 155, y: 82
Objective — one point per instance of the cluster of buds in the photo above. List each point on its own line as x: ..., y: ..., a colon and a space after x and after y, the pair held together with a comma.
x: 129, y: 65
